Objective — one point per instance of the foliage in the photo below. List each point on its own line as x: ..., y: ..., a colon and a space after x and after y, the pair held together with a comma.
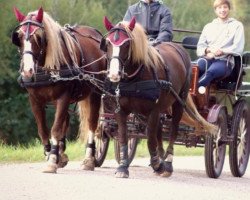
x: 75, y: 151
x: 16, y: 119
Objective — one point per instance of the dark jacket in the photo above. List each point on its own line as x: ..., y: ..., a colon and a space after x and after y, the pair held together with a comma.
x: 154, y: 17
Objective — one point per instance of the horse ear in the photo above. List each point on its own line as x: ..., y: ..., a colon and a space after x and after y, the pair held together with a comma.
x: 19, y: 16
x: 132, y: 23
x: 39, y: 16
x: 108, y: 24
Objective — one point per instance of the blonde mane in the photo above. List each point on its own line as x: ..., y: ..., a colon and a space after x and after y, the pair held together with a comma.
x: 54, y: 51
x: 141, y: 51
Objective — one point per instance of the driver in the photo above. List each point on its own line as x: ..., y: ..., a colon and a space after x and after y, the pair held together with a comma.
x: 155, y: 17
x: 219, y: 40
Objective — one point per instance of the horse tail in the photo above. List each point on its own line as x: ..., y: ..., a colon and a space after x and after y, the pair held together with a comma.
x: 211, y: 128
x: 84, y: 113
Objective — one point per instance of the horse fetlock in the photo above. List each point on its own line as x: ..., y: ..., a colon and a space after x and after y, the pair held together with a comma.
x: 161, y: 152
x: 62, y: 145
x: 88, y: 164
x: 47, y: 148
x: 169, y: 158
x: 155, y: 161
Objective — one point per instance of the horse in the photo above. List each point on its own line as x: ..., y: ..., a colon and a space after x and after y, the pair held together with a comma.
x: 149, y: 81
x: 56, y: 66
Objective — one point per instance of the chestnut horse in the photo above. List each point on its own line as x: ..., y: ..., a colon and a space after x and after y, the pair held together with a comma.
x: 161, y: 76
x: 54, y: 68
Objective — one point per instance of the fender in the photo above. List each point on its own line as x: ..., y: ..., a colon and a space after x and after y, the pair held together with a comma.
x: 214, y: 112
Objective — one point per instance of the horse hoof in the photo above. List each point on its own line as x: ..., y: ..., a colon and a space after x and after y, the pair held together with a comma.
x: 52, y: 164
x: 50, y: 169
x: 122, y: 172
x: 88, y: 164
x: 166, y: 174
x: 168, y: 169
x: 63, y: 160
x: 121, y: 175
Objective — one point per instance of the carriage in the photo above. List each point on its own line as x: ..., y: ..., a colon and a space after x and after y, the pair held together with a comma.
x: 223, y: 104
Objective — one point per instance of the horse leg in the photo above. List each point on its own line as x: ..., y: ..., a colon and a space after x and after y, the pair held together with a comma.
x: 57, y: 134
x: 160, y: 148
x: 154, y: 140
x: 177, y: 114
x: 63, y: 158
x: 93, y: 108
x: 39, y: 113
x: 122, y: 170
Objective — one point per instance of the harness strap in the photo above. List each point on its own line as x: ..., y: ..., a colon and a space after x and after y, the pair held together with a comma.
x: 187, y: 82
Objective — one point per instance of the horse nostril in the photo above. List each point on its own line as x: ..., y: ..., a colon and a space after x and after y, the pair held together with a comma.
x: 31, y: 71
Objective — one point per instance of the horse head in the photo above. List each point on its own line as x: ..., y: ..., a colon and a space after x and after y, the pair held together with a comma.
x: 117, y: 45
x: 30, y: 38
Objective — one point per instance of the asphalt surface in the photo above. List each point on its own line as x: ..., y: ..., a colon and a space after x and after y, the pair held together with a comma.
x: 189, y: 181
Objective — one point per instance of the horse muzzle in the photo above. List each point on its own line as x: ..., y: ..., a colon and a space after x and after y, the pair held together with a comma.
x: 114, y: 77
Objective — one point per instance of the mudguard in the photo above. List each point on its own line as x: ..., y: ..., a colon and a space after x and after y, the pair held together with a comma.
x: 213, y: 112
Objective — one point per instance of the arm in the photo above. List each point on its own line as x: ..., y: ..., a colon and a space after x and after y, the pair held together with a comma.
x: 238, y: 43
x: 166, y: 27
x: 127, y: 16
x: 202, y: 44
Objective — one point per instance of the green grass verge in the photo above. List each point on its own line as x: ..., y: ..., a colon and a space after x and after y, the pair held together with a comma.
x: 76, y: 150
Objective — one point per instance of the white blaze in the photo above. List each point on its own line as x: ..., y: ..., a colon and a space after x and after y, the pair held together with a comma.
x: 28, y: 62
x: 114, y: 65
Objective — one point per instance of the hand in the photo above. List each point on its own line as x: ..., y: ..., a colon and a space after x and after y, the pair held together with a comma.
x: 218, y: 52
x: 210, y: 55
x: 208, y: 50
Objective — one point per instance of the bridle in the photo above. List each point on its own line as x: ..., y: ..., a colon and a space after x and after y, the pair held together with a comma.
x: 29, y: 22
x: 122, y: 62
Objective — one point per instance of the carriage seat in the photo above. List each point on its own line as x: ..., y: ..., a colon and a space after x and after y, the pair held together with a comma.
x: 234, y: 80
x: 190, y: 42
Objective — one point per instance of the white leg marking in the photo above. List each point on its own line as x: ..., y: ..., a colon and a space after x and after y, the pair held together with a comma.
x: 169, y: 158
x: 91, y: 136
x: 54, y: 141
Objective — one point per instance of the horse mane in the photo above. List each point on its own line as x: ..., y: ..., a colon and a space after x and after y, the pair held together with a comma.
x: 54, y: 51
x: 141, y: 51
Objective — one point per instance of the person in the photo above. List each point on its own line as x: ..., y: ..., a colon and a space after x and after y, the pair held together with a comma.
x: 155, y: 17
x: 219, y: 41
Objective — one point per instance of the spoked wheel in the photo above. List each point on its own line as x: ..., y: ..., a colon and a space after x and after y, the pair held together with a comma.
x: 102, y: 144
x: 132, y: 145
x: 240, y: 146
x: 215, y: 149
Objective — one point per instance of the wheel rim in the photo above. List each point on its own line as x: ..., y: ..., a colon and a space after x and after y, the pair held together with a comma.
x: 217, y: 150
x: 100, y: 143
x: 241, y: 141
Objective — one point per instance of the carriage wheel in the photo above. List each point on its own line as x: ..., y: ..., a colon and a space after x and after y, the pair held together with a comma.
x: 102, y: 144
x: 215, y: 149
x: 132, y: 145
x: 240, y: 146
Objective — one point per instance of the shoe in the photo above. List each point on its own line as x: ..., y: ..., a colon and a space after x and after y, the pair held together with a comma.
x: 202, y: 90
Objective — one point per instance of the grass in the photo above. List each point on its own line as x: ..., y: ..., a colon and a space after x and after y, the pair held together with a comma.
x: 76, y: 150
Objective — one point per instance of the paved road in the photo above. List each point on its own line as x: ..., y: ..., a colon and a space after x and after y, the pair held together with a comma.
x: 189, y: 181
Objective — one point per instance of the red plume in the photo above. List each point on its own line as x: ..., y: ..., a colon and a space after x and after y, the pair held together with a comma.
x: 19, y: 16
x: 132, y: 23
x: 107, y: 23
x: 39, y: 16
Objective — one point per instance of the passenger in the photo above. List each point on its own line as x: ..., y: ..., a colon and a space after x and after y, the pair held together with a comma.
x: 219, y: 40
x: 155, y: 17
